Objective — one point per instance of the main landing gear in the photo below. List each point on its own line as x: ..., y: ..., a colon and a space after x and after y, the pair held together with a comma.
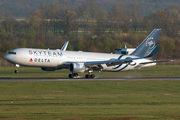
x: 75, y: 75
x: 89, y: 75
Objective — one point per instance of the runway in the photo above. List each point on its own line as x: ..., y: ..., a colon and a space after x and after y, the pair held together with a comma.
x: 96, y: 79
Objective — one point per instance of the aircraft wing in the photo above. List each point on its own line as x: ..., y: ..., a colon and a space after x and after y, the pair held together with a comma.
x: 111, y: 62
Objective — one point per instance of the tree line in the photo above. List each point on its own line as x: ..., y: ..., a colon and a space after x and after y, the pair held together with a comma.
x: 91, y: 28
x: 20, y: 8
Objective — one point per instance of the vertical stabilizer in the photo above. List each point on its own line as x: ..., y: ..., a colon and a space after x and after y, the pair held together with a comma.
x: 148, y: 45
x: 65, y: 46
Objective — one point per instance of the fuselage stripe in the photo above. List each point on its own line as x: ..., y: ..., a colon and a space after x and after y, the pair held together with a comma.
x: 120, y: 64
x: 123, y: 68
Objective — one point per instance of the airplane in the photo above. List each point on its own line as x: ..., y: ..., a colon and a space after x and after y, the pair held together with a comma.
x: 79, y: 62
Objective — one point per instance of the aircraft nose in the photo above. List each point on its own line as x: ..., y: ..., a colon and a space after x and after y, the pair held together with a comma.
x: 9, y: 58
x: 6, y: 57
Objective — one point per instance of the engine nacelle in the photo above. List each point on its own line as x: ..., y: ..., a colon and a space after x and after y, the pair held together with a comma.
x: 77, y: 67
x: 48, y: 68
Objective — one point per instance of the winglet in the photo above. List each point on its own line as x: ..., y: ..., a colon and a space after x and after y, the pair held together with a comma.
x: 64, y: 46
x: 148, y: 45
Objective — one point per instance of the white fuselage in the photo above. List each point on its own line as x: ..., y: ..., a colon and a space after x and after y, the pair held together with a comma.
x: 56, y: 58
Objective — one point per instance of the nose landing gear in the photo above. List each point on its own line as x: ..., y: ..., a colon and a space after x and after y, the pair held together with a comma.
x: 16, y: 71
x: 16, y: 66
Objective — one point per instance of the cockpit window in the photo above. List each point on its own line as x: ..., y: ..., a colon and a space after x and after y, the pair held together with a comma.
x: 12, y: 53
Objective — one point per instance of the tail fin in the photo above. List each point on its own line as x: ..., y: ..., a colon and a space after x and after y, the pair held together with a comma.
x: 148, y: 46
x: 64, y: 46
x: 152, y: 52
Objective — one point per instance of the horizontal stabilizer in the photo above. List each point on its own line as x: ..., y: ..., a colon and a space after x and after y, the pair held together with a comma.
x: 157, y: 61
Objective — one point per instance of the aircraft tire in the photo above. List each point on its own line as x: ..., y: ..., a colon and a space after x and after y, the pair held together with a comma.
x: 75, y: 75
x: 71, y: 75
x: 92, y: 76
x: 87, y: 76
x: 16, y: 71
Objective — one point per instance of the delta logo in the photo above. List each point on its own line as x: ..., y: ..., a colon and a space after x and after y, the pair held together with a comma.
x: 31, y: 60
x: 39, y: 60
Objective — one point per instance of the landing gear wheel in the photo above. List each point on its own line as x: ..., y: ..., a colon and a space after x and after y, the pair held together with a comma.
x: 71, y: 75
x: 90, y: 76
x: 16, y: 71
x: 87, y: 76
x: 75, y: 75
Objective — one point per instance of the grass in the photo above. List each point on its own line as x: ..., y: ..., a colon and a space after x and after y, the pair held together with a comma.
x: 123, y: 100
x: 90, y: 100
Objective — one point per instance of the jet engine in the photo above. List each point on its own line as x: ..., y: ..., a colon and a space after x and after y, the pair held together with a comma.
x: 48, y: 68
x: 77, y: 67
